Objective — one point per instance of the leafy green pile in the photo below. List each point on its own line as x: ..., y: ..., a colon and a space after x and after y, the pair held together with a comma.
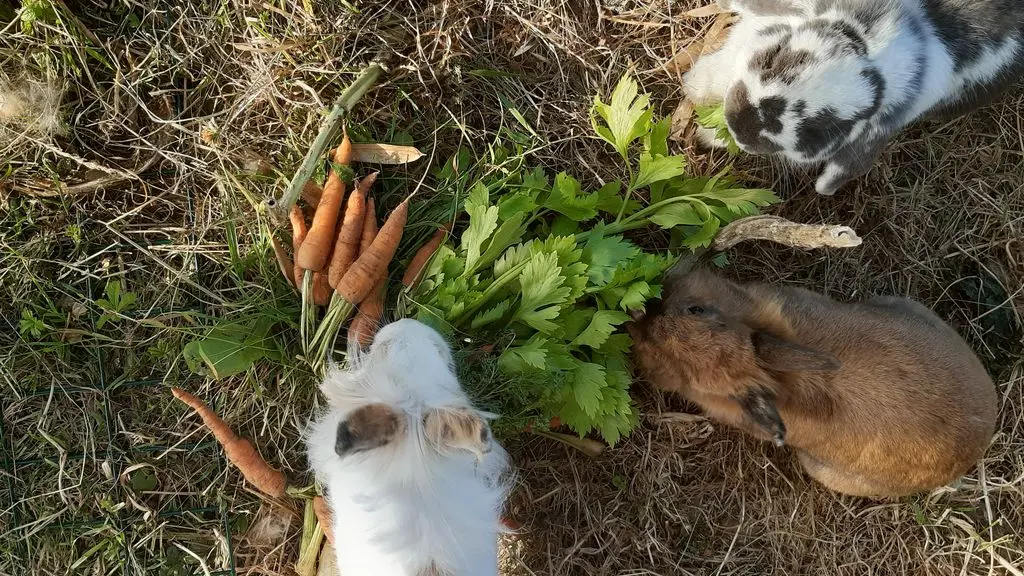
x: 544, y: 268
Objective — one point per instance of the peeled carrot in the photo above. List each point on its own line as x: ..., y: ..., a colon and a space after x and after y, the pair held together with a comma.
x: 346, y: 247
x: 238, y: 450
x: 323, y: 514
x: 299, y: 232
x: 372, y: 265
x: 283, y: 261
x: 422, y: 257
x: 316, y: 249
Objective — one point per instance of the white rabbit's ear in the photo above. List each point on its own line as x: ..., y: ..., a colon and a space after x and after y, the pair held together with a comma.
x: 768, y: 7
x: 458, y: 429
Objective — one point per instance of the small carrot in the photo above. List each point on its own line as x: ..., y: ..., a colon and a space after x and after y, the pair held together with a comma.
x: 283, y: 261
x: 367, y: 320
x: 346, y: 247
x: 422, y: 257
x: 321, y: 289
x: 299, y: 232
x: 372, y: 265
x: 316, y: 249
x: 369, y: 225
x: 323, y: 514
x: 238, y: 450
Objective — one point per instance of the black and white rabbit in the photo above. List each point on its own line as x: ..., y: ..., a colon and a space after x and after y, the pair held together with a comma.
x: 829, y: 82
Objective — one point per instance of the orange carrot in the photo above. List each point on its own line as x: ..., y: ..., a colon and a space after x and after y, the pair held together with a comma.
x: 419, y: 261
x: 346, y: 247
x: 238, y: 450
x: 316, y: 249
x: 323, y: 514
x: 367, y: 320
x: 372, y: 265
x: 369, y: 225
x: 283, y: 261
x: 321, y: 289
x: 299, y: 231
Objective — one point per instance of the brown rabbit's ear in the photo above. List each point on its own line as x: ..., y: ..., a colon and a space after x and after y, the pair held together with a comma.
x: 458, y: 428
x: 367, y: 428
x: 782, y: 356
x: 759, y: 406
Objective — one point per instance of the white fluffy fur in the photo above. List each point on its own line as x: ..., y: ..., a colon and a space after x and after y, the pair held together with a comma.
x: 837, y: 82
x: 406, y: 507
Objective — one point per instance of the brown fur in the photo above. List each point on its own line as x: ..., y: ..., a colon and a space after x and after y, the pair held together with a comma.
x: 367, y: 428
x: 879, y: 399
x: 458, y: 429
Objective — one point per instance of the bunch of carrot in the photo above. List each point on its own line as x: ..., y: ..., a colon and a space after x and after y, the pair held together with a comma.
x: 341, y: 258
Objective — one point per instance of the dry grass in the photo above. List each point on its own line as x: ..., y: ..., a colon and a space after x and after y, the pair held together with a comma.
x: 132, y: 192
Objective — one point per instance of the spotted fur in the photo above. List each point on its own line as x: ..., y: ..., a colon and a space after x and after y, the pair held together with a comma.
x: 829, y: 82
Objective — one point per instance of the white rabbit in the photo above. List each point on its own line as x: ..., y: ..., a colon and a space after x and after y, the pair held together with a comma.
x: 413, y: 476
x: 829, y: 82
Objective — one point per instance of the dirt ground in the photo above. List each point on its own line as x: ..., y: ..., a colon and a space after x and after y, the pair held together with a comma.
x: 138, y: 172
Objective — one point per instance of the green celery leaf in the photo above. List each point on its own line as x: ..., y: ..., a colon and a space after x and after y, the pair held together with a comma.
x: 604, y: 254
x: 609, y: 200
x: 519, y: 359
x: 678, y: 213
x: 627, y: 117
x: 518, y: 204
x: 510, y: 232
x: 704, y: 236
x: 567, y: 198
x: 713, y: 116
x: 603, y: 324
x: 491, y: 315
x: 512, y: 257
x: 483, y: 220
x: 588, y: 381
x: 564, y: 226
x: 656, y: 141
x: 657, y: 169
x: 635, y: 296
x: 542, y: 292
x: 617, y: 345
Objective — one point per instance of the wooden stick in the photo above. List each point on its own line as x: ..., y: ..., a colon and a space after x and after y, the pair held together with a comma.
x: 328, y: 131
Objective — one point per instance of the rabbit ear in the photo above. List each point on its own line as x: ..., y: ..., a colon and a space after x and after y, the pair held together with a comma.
x: 458, y: 428
x: 759, y: 406
x: 368, y: 427
x: 782, y: 356
x: 768, y: 7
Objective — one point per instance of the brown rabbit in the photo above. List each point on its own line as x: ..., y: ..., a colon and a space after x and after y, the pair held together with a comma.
x: 879, y: 399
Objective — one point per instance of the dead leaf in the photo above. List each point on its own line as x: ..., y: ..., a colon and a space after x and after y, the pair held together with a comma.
x: 718, y: 32
x: 686, y: 58
x: 385, y: 153
x: 716, y: 35
x: 705, y: 11
x: 682, y: 120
